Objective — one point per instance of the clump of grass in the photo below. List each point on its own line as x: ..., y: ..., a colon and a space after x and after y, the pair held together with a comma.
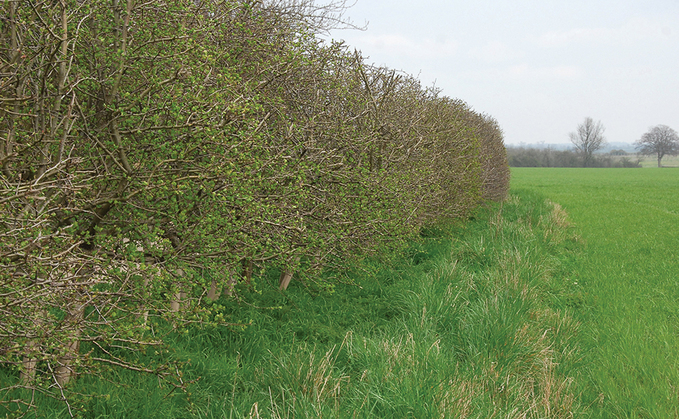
x: 305, y: 378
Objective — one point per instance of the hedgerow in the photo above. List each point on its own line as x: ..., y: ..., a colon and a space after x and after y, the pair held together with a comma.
x: 155, y: 155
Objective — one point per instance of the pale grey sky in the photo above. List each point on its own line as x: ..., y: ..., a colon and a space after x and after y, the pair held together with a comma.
x: 538, y: 66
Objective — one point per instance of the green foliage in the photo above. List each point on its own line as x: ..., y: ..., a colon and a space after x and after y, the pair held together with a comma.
x: 156, y: 154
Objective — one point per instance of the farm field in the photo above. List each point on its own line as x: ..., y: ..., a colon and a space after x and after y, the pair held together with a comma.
x: 629, y: 222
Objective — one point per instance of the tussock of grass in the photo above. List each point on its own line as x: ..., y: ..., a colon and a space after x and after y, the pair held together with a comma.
x: 475, y: 324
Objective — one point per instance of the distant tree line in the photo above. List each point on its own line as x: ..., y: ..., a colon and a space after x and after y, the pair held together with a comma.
x: 522, y: 156
x: 659, y: 141
x: 153, y: 155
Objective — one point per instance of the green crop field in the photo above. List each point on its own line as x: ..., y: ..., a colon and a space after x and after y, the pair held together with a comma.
x: 629, y: 273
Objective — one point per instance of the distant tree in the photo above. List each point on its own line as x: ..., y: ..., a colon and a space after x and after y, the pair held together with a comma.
x: 588, y: 138
x: 660, y: 140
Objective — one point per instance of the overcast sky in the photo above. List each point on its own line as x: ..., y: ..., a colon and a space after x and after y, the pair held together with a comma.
x: 537, y: 66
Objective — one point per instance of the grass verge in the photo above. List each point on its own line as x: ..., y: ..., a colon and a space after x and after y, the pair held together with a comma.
x: 474, y: 323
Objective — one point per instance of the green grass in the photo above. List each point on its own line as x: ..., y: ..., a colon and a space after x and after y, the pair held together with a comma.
x: 475, y: 322
x: 629, y: 220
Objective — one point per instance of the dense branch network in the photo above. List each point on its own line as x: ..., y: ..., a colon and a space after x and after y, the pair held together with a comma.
x: 157, y: 154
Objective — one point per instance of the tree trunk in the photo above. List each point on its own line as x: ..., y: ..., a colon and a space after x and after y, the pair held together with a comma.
x: 29, y: 365
x: 29, y: 362
x: 176, y: 303
x: 213, y: 293
x: 64, y: 371
x: 248, y: 267
x: 230, y: 288
x: 286, y: 277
